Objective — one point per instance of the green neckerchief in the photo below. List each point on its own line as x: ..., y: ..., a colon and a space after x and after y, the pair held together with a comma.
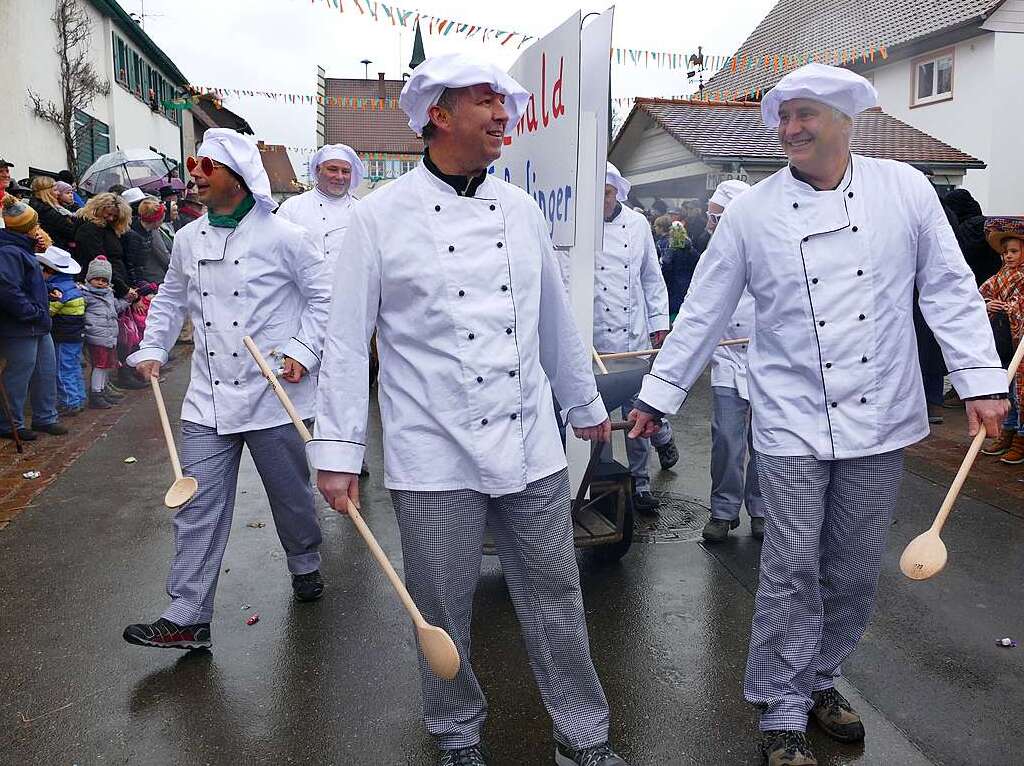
x: 230, y: 221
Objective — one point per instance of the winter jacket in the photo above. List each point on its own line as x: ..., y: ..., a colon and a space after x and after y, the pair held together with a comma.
x: 92, y: 240
x: 68, y: 313
x: 59, y: 226
x: 144, y: 255
x: 101, y: 312
x: 24, y: 302
x: 677, y: 267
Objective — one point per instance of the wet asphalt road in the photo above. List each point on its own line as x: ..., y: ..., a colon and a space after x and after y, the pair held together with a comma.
x: 335, y: 682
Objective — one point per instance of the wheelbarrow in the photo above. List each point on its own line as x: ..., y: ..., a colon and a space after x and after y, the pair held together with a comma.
x: 603, y: 522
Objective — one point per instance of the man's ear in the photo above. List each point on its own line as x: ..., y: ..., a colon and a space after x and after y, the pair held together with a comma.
x: 438, y: 116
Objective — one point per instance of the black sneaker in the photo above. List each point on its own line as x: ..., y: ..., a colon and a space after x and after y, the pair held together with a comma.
x: 668, y: 455
x: 645, y: 502
x: 599, y: 755
x: 164, y: 634
x: 23, y: 433
x: 475, y: 755
x: 786, y: 748
x: 131, y: 382
x: 69, y: 412
x: 308, y: 587
x: 112, y: 393
x: 53, y: 429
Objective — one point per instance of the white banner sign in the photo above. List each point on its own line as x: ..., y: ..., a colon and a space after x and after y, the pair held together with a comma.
x: 540, y: 155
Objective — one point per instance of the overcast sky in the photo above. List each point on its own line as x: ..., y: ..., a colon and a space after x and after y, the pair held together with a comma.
x: 276, y: 45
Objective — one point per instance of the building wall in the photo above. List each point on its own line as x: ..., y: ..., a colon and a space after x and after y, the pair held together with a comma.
x: 30, y: 39
x: 973, y: 120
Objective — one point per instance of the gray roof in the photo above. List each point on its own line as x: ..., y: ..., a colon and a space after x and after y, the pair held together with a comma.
x: 799, y: 27
x: 734, y: 131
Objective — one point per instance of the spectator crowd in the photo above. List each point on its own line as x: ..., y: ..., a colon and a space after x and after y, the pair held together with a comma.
x: 76, y: 280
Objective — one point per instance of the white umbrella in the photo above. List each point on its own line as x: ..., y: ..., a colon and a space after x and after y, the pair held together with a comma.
x: 127, y: 167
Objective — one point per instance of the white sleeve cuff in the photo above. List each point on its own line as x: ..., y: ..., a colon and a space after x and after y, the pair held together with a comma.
x: 334, y: 455
x: 147, y: 354
x: 302, y: 354
x: 658, y: 322
x: 662, y: 395
x: 585, y: 415
x: 979, y: 381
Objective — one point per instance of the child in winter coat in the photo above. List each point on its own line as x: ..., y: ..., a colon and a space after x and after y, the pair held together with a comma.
x: 101, y: 327
x: 67, y: 310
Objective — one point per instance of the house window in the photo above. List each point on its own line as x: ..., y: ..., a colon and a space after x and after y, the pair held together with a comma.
x: 405, y: 166
x: 377, y: 169
x: 92, y: 140
x: 142, y: 80
x: 933, y: 78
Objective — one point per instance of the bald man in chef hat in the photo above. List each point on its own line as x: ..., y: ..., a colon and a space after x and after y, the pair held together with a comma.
x: 324, y: 211
x: 831, y: 248
x: 475, y: 333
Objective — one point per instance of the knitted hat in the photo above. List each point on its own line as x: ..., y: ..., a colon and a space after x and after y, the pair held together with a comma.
x: 99, y: 268
x: 62, y: 187
x: 18, y: 216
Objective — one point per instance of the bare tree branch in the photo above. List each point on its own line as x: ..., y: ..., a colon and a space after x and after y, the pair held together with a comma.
x: 79, y: 81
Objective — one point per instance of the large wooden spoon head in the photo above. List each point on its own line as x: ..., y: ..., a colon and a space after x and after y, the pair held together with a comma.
x: 924, y: 557
x: 440, y: 651
x: 181, y: 492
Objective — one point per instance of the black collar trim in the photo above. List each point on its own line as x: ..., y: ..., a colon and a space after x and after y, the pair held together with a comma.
x: 464, y: 186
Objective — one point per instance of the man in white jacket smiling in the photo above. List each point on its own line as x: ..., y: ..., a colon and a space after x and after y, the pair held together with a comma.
x: 831, y: 248
x: 239, y: 270
x: 474, y: 333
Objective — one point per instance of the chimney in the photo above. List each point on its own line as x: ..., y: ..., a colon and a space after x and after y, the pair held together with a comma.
x: 382, y: 92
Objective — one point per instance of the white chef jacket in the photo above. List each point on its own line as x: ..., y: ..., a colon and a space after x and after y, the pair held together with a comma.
x: 324, y: 217
x: 264, y: 278
x: 630, y: 297
x: 472, y: 323
x: 729, y: 363
x: 833, y: 360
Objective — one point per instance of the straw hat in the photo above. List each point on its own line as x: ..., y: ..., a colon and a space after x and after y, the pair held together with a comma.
x: 1003, y: 227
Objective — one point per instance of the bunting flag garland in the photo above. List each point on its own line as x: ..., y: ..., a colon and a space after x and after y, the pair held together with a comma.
x: 442, y: 27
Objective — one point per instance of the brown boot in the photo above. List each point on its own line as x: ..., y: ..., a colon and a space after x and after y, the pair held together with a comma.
x: 836, y: 716
x: 786, y: 748
x: 1000, y: 445
x: 1016, y: 454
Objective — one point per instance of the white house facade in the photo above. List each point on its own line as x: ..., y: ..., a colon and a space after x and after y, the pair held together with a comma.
x: 132, y: 115
x: 954, y: 69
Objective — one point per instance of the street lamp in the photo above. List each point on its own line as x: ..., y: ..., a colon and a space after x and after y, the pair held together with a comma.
x: 366, y: 68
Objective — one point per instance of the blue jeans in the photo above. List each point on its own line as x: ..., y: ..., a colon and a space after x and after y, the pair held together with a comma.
x: 70, y: 383
x: 1013, y: 421
x: 31, y: 367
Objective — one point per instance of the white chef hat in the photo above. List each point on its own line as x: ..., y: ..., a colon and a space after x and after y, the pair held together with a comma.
x: 338, y: 152
x: 242, y: 155
x: 458, y: 70
x: 133, y: 195
x: 727, y: 191
x: 839, y: 88
x: 59, y: 260
x: 613, y: 177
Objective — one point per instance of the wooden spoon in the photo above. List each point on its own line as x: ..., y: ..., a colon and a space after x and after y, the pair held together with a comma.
x: 925, y: 555
x: 437, y: 646
x: 184, y: 487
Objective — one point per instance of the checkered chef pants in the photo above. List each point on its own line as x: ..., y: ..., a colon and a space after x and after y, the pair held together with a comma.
x: 825, y: 532
x: 442, y: 539
x: 202, y: 525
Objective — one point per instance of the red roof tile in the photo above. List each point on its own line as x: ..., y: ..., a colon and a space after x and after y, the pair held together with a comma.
x: 365, y: 130
x: 801, y: 27
x: 734, y: 129
x: 279, y: 169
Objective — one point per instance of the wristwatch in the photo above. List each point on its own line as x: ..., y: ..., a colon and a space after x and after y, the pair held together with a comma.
x: 986, y: 396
